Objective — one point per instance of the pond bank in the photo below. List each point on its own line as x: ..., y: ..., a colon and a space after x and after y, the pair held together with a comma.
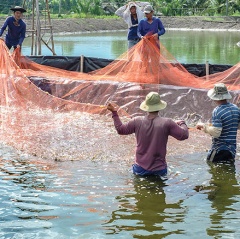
x: 76, y: 25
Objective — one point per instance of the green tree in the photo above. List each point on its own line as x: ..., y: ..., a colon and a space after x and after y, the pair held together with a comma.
x: 5, y: 5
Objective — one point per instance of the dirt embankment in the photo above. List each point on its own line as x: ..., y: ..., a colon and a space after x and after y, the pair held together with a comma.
x: 83, y: 25
x: 86, y: 25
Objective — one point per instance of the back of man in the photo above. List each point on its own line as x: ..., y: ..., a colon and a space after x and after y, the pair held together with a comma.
x: 152, y: 137
x: 225, y: 123
x: 227, y: 117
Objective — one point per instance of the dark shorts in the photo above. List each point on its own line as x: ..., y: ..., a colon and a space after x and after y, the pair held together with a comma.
x: 222, y: 156
x: 138, y: 170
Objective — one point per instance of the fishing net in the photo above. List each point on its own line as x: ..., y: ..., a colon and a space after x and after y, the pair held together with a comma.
x: 43, y: 107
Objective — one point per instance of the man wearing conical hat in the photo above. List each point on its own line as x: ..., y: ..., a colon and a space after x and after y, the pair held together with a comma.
x: 151, y: 133
x: 16, y: 28
x: 225, y: 123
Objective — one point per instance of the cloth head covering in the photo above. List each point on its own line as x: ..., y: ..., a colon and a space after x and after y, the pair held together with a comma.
x: 219, y: 92
x: 132, y: 4
x: 153, y: 103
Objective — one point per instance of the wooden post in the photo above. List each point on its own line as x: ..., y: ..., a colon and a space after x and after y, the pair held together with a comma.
x: 38, y: 29
x: 207, y: 70
x: 81, y: 63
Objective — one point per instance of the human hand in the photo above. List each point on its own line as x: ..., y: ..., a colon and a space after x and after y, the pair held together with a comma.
x: 112, y: 107
x: 18, y: 46
x: 155, y: 36
x: 180, y: 122
x: 200, y: 126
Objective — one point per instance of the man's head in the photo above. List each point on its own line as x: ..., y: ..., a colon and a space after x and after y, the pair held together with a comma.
x: 153, y: 103
x: 18, y: 11
x: 219, y: 93
x: 148, y: 10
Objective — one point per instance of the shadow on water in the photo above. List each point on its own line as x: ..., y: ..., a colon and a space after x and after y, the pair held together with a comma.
x: 96, y: 199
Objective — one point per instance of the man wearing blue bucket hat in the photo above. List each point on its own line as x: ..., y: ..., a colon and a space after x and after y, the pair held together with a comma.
x: 151, y: 133
x: 225, y: 123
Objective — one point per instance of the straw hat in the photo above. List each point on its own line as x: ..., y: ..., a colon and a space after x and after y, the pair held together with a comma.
x: 18, y: 9
x: 219, y: 92
x: 153, y: 103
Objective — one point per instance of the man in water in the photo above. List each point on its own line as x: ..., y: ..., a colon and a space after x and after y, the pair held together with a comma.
x: 16, y: 28
x: 225, y: 123
x: 132, y: 14
x: 151, y: 133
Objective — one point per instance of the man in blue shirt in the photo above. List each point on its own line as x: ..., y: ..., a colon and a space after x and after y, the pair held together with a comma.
x: 150, y: 26
x: 16, y: 28
x: 225, y: 123
x: 132, y: 14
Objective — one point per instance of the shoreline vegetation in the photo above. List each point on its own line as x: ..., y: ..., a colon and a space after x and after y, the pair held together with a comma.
x: 81, y: 25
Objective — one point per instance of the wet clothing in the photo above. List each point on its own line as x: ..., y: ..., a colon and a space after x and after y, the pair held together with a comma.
x: 227, y: 117
x: 138, y: 170
x: 146, y: 28
x: 151, y: 136
x: 16, y: 32
x: 222, y: 156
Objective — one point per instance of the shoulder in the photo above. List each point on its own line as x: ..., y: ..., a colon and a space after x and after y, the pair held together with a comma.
x: 9, y: 18
x: 156, y: 19
x: 166, y: 121
x: 234, y: 106
x: 139, y: 118
x: 143, y: 20
x: 22, y: 22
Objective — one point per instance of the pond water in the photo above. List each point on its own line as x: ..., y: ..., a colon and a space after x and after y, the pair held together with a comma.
x: 100, y: 197
x: 186, y: 46
x: 97, y: 198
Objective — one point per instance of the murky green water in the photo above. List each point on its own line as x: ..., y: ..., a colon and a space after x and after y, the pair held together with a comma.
x: 185, y: 46
x: 96, y: 199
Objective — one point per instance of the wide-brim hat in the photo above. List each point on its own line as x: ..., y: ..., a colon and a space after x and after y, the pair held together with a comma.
x: 153, y: 103
x: 219, y: 92
x: 18, y: 9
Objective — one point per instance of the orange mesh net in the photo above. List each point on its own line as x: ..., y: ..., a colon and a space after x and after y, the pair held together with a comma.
x: 32, y: 116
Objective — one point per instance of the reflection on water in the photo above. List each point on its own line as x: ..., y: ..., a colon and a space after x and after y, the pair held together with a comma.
x: 225, y: 216
x: 185, y: 46
x: 96, y: 199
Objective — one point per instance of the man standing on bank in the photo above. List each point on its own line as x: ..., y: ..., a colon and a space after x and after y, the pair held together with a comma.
x: 151, y: 132
x: 150, y: 26
x: 225, y: 123
x: 16, y: 28
x: 131, y: 14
